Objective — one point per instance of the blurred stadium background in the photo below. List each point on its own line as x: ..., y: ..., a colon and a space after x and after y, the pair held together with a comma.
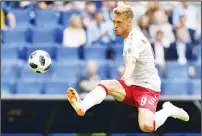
x: 79, y: 37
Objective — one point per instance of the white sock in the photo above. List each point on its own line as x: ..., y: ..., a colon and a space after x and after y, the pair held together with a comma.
x: 95, y: 97
x: 161, y: 116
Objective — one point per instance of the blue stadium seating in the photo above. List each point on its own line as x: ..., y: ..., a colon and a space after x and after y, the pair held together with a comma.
x: 43, y: 35
x: 9, y: 53
x: 198, y: 70
x: 160, y: 72
x: 176, y: 70
x: 118, y: 53
x: 47, y: 18
x: 195, y: 86
x: 10, y: 70
x: 55, y: 87
x: 66, y: 72
x: 27, y: 74
x: 23, y: 18
x: 113, y: 69
x: 175, y: 87
x: 59, y: 34
x: 102, y: 68
x: 198, y: 48
x: 95, y: 53
x: 67, y: 53
x: 14, y: 36
x: 7, y: 86
x: 48, y: 32
x: 66, y: 15
x: 119, y: 40
x: 29, y: 87
x: 48, y: 47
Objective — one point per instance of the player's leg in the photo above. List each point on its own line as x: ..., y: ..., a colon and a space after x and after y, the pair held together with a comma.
x: 105, y: 87
x: 146, y: 102
x: 150, y: 121
x: 146, y: 120
x: 96, y: 96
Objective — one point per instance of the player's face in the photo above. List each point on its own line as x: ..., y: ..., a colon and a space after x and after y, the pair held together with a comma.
x: 120, y: 24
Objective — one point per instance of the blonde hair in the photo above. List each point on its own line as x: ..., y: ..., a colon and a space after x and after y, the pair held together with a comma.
x: 125, y: 10
x: 73, y: 21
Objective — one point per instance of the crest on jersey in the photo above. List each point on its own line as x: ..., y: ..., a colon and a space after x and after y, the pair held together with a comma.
x: 129, y: 51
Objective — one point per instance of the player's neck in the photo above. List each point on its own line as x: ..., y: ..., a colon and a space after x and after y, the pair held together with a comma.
x: 125, y: 35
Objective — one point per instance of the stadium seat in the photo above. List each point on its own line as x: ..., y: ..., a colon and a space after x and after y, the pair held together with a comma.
x: 27, y: 74
x: 198, y: 49
x: 95, y: 53
x: 59, y: 35
x: 118, y: 53
x: 66, y: 72
x: 46, y: 18
x: 55, y: 87
x: 119, y: 40
x: 195, y: 87
x: 102, y: 71
x: 9, y: 53
x: 22, y: 17
x: 10, y: 70
x: 175, y: 87
x: 7, y: 86
x: 113, y: 69
x: 160, y: 73
x: 29, y: 87
x: 198, y: 70
x: 96, y: 44
x: 48, y: 47
x: 66, y: 15
x: 43, y: 35
x: 14, y: 36
x: 67, y: 53
x: 176, y: 70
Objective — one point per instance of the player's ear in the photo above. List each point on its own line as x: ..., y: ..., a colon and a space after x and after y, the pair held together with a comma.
x: 129, y: 22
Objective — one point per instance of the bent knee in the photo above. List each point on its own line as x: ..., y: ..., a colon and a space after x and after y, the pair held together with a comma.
x: 104, y: 82
x: 147, y: 127
x: 109, y: 83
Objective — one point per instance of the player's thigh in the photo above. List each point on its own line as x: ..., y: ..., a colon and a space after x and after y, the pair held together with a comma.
x: 146, y: 102
x: 115, y: 89
x: 146, y: 119
x: 146, y: 98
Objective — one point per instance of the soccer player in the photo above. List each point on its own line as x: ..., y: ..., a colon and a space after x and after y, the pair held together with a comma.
x: 140, y: 84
